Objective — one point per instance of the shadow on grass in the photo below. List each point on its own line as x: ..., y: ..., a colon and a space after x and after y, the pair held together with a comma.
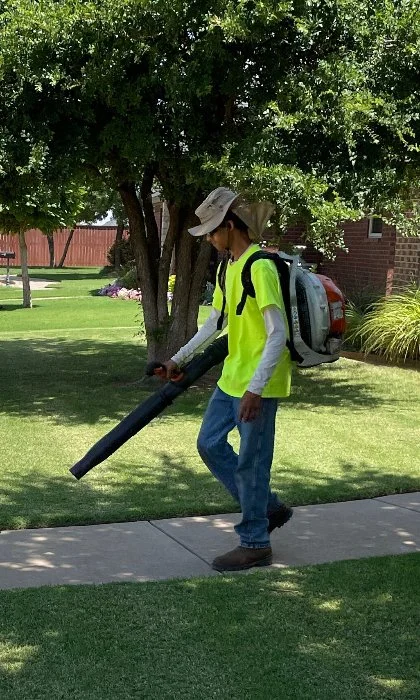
x: 80, y: 381
x: 352, y: 481
x: 86, y: 380
x: 345, y: 630
x: 10, y: 307
x: 119, y: 492
x: 112, y: 492
x: 66, y: 273
x: 14, y: 307
x: 329, y: 385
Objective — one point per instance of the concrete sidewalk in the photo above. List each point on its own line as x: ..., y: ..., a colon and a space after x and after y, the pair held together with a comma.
x: 15, y: 282
x: 185, y: 547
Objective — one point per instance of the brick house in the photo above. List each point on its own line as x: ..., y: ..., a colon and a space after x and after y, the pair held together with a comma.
x: 378, y: 260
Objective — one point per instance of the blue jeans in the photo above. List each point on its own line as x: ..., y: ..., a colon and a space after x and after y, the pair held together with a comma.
x: 247, y: 475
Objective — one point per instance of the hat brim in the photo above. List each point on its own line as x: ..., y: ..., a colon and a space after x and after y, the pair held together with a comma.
x: 204, y: 229
x: 208, y: 226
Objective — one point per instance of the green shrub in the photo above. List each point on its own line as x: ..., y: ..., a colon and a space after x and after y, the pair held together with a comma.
x: 392, y: 327
x: 354, y: 320
x: 207, y: 294
x: 126, y: 253
x: 357, y: 307
x: 128, y: 279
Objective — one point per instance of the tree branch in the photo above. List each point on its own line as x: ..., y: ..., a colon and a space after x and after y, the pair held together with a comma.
x: 199, y: 270
x: 138, y: 239
x: 175, y: 216
x: 152, y: 232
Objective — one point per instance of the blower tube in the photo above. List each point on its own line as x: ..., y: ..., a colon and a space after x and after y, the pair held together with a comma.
x: 152, y: 407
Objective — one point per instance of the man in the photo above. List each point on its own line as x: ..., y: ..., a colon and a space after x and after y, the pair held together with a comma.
x: 256, y: 373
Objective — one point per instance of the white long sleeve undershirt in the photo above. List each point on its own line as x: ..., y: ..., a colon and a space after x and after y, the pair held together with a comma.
x: 204, y: 336
x: 274, y: 346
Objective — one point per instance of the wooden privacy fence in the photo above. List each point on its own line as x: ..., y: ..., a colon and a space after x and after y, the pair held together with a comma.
x: 89, y: 246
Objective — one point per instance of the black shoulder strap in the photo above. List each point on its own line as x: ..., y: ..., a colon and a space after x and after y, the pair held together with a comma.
x: 284, y: 276
x: 221, y: 278
x: 248, y: 287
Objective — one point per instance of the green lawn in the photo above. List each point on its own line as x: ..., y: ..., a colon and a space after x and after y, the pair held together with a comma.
x: 72, y: 368
x: 342, y: 631
x: 74, y: 313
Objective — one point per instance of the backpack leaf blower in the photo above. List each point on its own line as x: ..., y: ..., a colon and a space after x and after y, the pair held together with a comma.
x: 314, y: 307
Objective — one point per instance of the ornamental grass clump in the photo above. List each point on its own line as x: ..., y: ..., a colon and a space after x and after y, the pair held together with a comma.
x: 392, y: 327
x: 357, y: 307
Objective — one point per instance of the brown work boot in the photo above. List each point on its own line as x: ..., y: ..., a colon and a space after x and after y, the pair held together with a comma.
x: 279, y: 518
x: 243, y: 558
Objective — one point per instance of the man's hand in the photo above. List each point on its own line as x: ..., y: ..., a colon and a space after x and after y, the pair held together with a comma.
x: 250, y: 407
x: 171, y: 369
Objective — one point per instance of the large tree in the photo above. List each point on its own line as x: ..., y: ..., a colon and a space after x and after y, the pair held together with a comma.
x: 26, y: 198
x: 312, y: 104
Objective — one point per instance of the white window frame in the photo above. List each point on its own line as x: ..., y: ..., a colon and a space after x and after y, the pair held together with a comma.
x: 372, y: 234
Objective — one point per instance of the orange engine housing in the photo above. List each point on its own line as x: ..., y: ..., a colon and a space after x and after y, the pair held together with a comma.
x: 336, y: 305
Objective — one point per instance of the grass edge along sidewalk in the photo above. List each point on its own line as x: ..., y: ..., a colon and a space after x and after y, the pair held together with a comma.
x: 341, y: 445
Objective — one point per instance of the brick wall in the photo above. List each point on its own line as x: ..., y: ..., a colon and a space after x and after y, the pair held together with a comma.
x: 369, y: 264
x: 407, y: 261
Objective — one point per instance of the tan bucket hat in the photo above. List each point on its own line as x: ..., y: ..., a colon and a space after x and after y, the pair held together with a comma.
x: 214, y: 208
x: 212, y: 211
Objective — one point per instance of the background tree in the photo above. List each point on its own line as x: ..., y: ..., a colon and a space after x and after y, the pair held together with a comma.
x: 95, y: 204
x: 51, y: 249
x: 26, y: 199
x: 118, y: 212
x: 305, y: 103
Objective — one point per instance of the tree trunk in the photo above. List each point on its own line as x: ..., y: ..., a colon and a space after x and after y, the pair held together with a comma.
x: 66, y: 248
x: 151, y: 227
x: 197, y: 283
x: 192, y: 258
x: 50, y: 239
x: 27, y: 300
x: 165, y: 333
x: 176, y: 216
x: 118, y: 239
x: 135, y: 217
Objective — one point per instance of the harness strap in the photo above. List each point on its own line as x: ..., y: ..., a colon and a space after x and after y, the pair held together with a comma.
x: 246, y: 279
x: 249, y: 291
x: 221, y: 278
x: 284, y: 276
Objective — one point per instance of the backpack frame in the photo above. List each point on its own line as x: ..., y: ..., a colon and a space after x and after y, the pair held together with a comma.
x: 314, y: 307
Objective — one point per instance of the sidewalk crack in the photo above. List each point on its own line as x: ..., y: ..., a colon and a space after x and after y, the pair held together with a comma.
x: 191, y: 551
x: 397, y: 505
